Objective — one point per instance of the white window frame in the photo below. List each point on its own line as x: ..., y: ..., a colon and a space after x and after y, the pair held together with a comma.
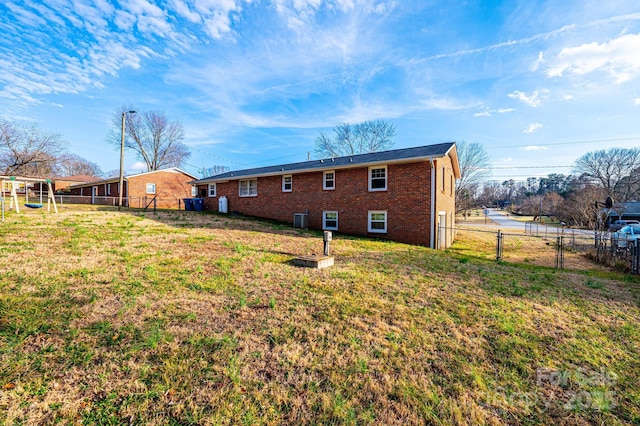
x: 370, y: 221
x: 194, y: 190
x: 386, y: 178
x: 324, y: 220
x: 284, y: 183
x: 153, y: 192
x: 333, y: 180
x: 209, y: 188
x: 248, y: 190
x: 108, y: 188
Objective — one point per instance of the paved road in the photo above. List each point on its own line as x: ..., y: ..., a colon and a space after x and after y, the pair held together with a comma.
x: 499, y: 220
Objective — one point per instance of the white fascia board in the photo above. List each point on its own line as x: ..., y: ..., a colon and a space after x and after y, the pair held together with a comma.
x: 329, y: 166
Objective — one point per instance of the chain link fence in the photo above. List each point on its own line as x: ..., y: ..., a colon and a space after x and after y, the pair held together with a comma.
x: 555, y: 248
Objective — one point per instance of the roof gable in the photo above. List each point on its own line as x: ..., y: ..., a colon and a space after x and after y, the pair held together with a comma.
x: 117, y: 178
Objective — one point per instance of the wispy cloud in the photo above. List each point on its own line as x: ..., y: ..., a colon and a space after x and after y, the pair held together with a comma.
x: 532, y: 128
x: 489, y: 112
x: 618, y: 57
x: 533, y: 100
x: 534, y: 147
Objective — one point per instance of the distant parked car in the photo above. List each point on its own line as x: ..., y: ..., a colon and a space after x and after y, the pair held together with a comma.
x: 619, y: 224
x: 626, y: 236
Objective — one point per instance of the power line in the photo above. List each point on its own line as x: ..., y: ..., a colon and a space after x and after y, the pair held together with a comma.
x: 566, y: 143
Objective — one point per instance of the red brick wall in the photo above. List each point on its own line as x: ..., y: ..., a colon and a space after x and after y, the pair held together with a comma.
x: 406, y: 200
x: 170, y: 188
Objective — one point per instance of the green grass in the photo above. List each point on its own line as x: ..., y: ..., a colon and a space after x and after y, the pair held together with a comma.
x: 178, y: 318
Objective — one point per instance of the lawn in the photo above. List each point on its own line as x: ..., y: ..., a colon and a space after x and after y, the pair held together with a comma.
x: 197, y: 318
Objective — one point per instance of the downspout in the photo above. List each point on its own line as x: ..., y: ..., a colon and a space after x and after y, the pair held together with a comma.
x: 433, y: 205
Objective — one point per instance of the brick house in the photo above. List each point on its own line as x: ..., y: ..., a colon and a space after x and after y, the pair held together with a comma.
x: 61, y: 184
x: 405, y: 195
x: 168, y: 187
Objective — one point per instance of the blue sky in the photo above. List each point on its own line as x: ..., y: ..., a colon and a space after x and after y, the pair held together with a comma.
x: 537, y: 83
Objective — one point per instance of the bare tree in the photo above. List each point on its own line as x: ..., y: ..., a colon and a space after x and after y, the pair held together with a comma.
x: 579, y: 209
x: 72, y: 164
x: 615, y: 169
x: 474, y: 169
x: 156, y: 140
x: 351, y: 139
x: 26, y: 150
x: 214, y: 170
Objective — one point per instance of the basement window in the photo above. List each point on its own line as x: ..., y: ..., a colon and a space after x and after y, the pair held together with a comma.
x: 212, y: 190
x: 330, y: 221
x: 287, y: 183
x: 248, y: 188
x: 378, y: 221
x: 151, y: 188
x: 378, y: 178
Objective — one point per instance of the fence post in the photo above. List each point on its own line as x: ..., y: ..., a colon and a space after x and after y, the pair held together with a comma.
x: 499, y: 246
x: 635, y: 259
x: 560, y: 252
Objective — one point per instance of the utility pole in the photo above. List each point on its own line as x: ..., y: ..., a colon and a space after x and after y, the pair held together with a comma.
x: 121, y: 187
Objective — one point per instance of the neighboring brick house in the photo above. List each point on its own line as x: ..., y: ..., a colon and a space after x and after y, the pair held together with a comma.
x: 62, y: 184
x: 405, y: 195
x: 167, y: 186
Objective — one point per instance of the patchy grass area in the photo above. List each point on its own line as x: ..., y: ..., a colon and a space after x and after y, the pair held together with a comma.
x: 189, y: 318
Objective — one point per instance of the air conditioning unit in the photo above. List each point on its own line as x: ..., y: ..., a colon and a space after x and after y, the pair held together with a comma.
x: 300, y: 220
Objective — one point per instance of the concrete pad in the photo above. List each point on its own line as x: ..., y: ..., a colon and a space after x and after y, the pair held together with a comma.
x: 313, y: 261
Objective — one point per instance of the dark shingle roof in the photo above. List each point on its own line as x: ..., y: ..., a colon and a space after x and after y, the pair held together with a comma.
x: 392, y: 156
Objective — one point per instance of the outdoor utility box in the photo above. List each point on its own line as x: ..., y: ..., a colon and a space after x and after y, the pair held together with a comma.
x: 198, y: 204
x: 328, y: 236
x: 300, y: 220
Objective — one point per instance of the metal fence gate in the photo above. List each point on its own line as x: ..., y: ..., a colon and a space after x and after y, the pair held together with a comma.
x: 568, y: 251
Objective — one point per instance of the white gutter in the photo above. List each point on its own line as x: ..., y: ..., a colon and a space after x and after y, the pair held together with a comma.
x: 433, y: 205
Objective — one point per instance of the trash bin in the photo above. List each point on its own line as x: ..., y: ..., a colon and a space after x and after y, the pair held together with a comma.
x: 188, y: 204
x: 198, y: 204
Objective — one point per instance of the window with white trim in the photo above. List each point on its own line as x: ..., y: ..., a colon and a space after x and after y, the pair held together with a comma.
x: 212, y: 190
x: 248, y: 187
x: 151, y: 188
x: 108, y: 189
x: 287, y: 183
x: 330, y: 220
x: 378, y: 178
x: 329, y: 180
x: 194, y: 191
x: 378, y: 221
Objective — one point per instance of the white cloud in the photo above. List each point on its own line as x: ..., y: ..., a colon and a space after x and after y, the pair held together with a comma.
x: 534, y: 147
x: 618, y: 57
x: 138, y: 166
x: 532, y: 128
x: 533, y: 100
x: 489, y: 112
x: 538, y: 62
